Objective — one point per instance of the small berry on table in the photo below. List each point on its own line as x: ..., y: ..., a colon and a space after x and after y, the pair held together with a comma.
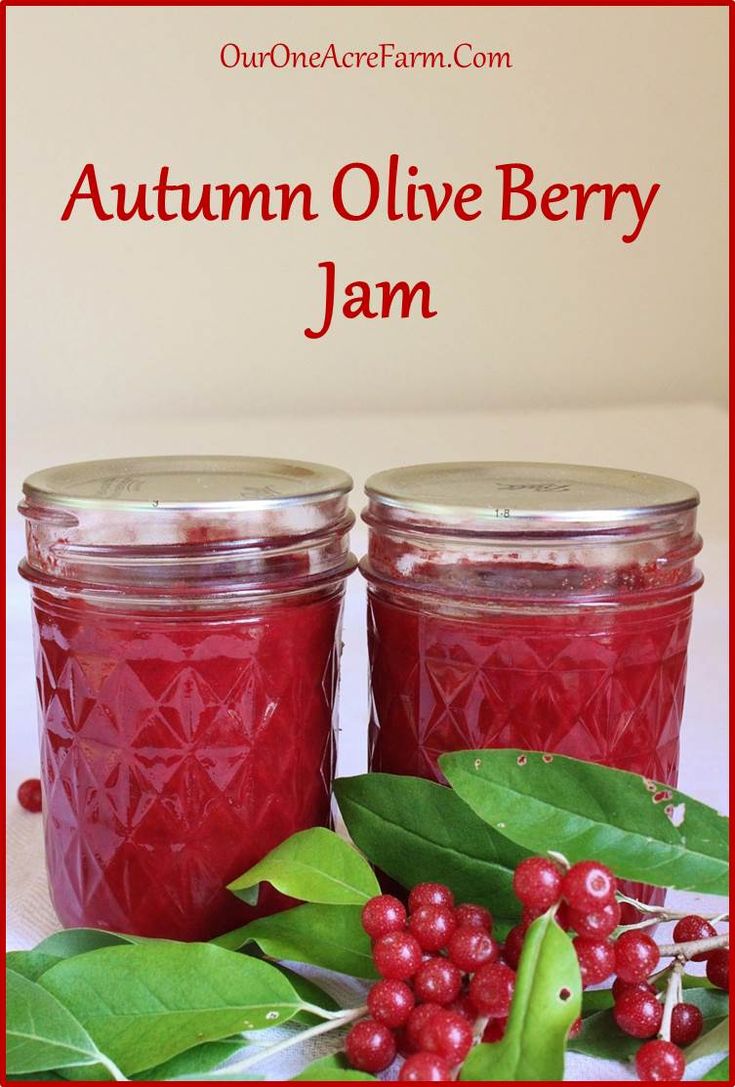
x: 29, y: 795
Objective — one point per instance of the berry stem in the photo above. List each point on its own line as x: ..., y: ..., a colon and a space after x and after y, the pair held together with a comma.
x: 337, y: 1020
x: 690, y: 948
x: 673, y: 997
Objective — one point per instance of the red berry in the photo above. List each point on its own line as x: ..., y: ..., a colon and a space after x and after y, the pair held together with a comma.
x: 397, y: 955
x: 383, y: 914
x: 562, y: 916
x: 596, y: 959
x: 437, y: 981
x: 471, y: 948
x: 29, y: 795
x: 447, y: 1034
x: 686, y: 1024
x: 491, y: 989
x: 472, y: 916
x: 636, y: 956
x: 718, y: 968
x: 370, y: 1046
x: 432, y: 926
x: 599, y: 924
x: 620, y: 987
x: 588, y: 886
x: 514, y: 945
x: 425, y: 1068
x: 576, y: 1028
x: 693, y: 928
x: 429, y: 894
x: 660, y: 1060
x: 465, y: 1007
x: 417, y: 1020
x: 494, y: 1030
x: 638, y: 1013
x: 390, y: 1002
x: 537, y: 883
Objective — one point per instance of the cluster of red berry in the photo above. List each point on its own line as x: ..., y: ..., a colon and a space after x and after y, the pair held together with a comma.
x: 446, y: 982
x: 457, y: 980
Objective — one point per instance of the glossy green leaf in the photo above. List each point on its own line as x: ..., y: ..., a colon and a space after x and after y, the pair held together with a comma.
x: 314, y: 865
x: 712, y: 1041
x: 334, y: 1067
x: 645, y: 832
x: 62, y: 945
x: 720, y: 1071
x: 310, y: 993
x: 167, y: 997
x: 601, y: 1036
x: 546, y: 1001
x: 327, y: 936
x: 37, y: 1077
x: 416, y: 830
x: 41, y: 1033
x: 196, y: 1061
x: 31, y: 964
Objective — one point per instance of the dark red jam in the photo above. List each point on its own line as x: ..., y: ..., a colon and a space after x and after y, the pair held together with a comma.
x: 187, y: 663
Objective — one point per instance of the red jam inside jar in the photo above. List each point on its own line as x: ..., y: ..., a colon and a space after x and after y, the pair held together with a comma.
x: 544, y: 607
x: 187, y: 628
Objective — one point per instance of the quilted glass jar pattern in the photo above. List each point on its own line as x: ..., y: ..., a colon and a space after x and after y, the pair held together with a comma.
x: 544, y: 607
x: 187, y: 630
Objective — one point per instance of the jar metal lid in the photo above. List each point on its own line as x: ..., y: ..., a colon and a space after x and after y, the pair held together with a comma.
x: 542, y: 496
x: 185, y: 483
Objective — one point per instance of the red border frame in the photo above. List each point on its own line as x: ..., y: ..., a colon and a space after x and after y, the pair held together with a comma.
x: 5, y: 4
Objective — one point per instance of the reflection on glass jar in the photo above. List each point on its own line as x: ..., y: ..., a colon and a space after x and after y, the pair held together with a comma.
x: 187, y: 615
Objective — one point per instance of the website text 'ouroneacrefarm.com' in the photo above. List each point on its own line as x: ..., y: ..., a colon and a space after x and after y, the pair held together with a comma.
x: 464, y: 56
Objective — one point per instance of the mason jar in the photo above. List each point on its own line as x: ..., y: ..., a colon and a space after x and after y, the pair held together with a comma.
x: 536, y: 606
x: 187, y: 631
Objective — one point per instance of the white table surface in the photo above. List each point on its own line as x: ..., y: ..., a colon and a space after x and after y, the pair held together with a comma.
x: 685, y: 441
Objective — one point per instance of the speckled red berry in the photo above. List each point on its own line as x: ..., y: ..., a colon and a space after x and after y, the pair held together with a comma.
x: 447, y: 1034
x: 417, y: 1020
x: 472, y: 916
x: 620, y: 987
x: 638, y: 1013
x: 691, y: 928
x: 383, y: 914
x: 397, y: 955
x: 514, y: 945
x: 432, y: 926
x: 494, y: 1030
x: 437, y: 981
x: 29, y: 795
x: 596, y: 959
x: 425, y: 1068
x: 599, y: 924
x: 636, y: 956
x: 718, y: 968
x: 588, y: 886
x: 537, y: 883
x: 471, y: 948
x: 660, y: 1060
x: 370, y: 1046
x: 390, y: 1002
x: 686, y: 1024
x: 491, y: 989
x: 429, y: 894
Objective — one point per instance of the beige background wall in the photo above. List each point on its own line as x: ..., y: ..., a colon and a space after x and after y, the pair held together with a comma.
x: 113, y: 322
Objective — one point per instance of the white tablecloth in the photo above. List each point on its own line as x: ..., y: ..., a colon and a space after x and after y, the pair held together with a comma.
x: 688, y: 442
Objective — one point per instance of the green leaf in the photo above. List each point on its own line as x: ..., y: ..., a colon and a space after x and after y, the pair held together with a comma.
x: 310, y: 993
x: 144, y: 1004
x: 546, y: 1001
x: 202, y: 1058
x: 31, y: 964
x: 716, y: 1040
x: 78, y: 941
x: 37, y: 1077
x: 334, y: 1067
x: 416, y: 830
x: 314, y: 865
x: 41, y: 1033
x: 602, y: 1037
x: 328, y: 936
x: 720, y: 1071
x: 583, y: 810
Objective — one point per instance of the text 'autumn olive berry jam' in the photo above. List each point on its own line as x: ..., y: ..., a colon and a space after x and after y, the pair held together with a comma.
x: 186, y: 614
x: 538, y: 606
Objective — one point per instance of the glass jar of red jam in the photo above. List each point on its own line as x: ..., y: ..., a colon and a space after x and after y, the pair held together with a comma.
x: 186, y: 617
x: 539, y: 606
